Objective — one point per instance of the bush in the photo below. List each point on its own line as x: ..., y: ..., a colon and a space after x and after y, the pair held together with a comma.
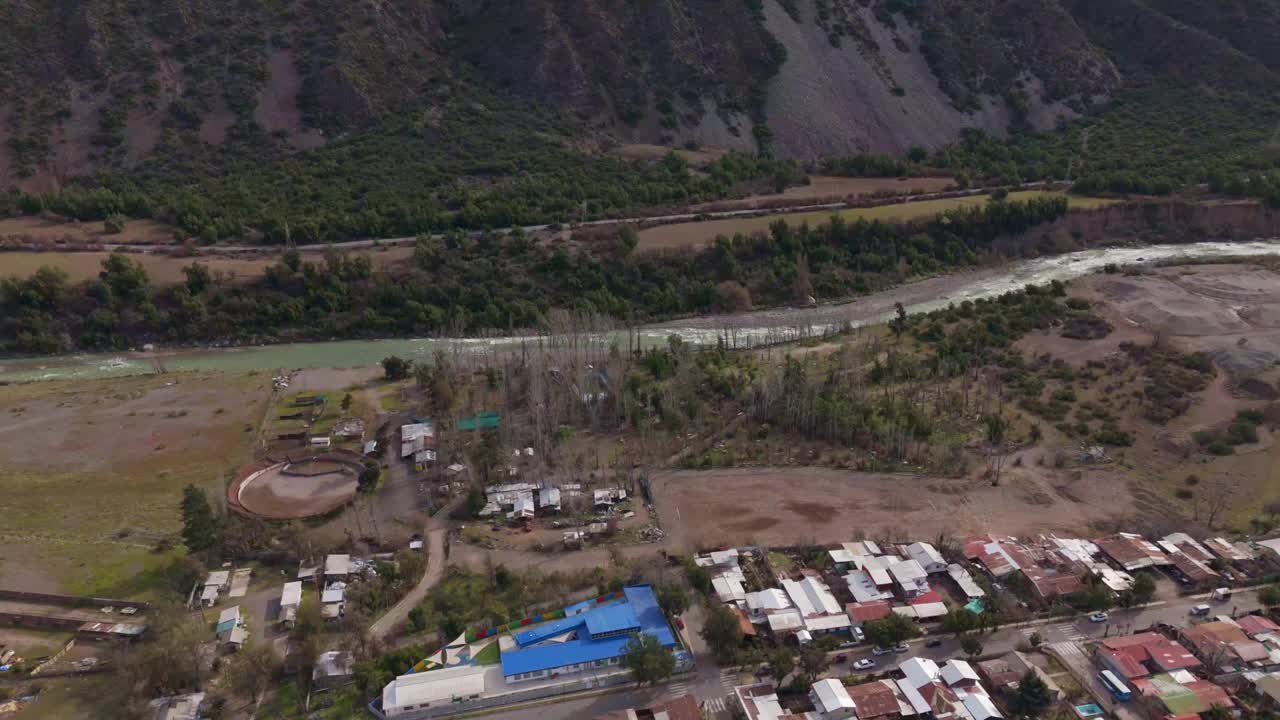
x: 114, y: 224
x: 1220, y: 447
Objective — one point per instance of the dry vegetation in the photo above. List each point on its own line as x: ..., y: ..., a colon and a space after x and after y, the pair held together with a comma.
x: 93, y: 471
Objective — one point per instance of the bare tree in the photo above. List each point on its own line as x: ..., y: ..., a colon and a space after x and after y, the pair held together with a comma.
x: 1216, y: 496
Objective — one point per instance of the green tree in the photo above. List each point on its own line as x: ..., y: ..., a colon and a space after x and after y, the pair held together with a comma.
x: 114, y: 224
x: 126, y: 277
x: 1269, y: 596
x: 629, y: 239
x: 1144, y: 588
x: 475, y: 501
x: 813, y: 661
x: 648, y: 661
x: 1032, y: 697
x: 781, y: 663
x: 958, y: 621
x: 199, y: 525
x: 672, y: 599
x: 890, y: 630
x: 971, y: 645
x: 198, y: 277
x: 396, y: 368
x: 722, y: 633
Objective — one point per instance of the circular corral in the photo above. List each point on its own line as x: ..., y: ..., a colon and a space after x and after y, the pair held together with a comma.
x: 296, y: 488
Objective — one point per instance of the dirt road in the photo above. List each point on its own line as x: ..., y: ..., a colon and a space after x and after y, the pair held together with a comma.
x: 399, y: 613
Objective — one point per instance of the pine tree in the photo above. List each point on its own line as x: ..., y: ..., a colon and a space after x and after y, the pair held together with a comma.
x: 199, y: 525
x: 1032, y: 696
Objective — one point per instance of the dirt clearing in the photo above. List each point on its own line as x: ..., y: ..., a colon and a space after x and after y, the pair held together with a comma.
x: 43, y: 230
x: 791, y: 506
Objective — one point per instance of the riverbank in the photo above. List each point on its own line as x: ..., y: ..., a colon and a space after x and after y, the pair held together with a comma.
x: 739, y: 329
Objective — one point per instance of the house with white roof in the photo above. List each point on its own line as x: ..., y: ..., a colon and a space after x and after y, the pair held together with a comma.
x: 811, y: 597
x: 864, y: 589
x: 910, y: 577
x: 968, y: 585
x: 816, y: 604
x: 729, y: 589
x: 831, y: 700
x: 763, y: 602
x: 948, y: 692
x: 928, y: 557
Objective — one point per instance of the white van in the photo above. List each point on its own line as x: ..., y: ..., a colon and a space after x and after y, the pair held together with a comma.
x: 1200, y: 610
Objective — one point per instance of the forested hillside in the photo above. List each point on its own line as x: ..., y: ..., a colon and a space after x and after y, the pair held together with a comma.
x: 334, y: 119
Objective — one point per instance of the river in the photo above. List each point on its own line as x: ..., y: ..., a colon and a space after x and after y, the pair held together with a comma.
x: 741, y: 329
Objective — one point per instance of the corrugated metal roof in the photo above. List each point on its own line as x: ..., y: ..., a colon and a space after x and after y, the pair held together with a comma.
x: 611, y: 618
x: 640, y: 604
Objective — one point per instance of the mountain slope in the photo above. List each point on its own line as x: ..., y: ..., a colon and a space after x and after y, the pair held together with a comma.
x: 177, y: 98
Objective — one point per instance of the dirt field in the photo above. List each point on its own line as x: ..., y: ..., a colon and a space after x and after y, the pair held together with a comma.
x: 787, y: 506
x: 1228, y: 311
x: 93, y: 470
x: 702, y: 233
x: 164, y: 269
x: 298, y: 491
x: 145, y: 232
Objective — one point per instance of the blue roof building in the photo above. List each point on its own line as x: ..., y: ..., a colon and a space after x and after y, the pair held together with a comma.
x: 596, y: 638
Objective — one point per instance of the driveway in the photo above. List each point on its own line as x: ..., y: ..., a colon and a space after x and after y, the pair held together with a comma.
x: 399, y: 613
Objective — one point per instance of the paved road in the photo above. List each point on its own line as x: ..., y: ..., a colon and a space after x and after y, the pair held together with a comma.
x: 711, y: 685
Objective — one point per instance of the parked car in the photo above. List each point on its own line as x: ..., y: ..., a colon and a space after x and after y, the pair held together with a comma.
x: 1099, y: 617
x: 1221, y: 594
x: 901, y: 647
x: 842, y: 659
x: 864, y: 664
x: 1201, y: 610
x: 859, y: 635
x: 881, y: 651
x: 933, y: 642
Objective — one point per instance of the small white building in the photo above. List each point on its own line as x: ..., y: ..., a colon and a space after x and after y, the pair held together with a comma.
x: 928, y: 557
x: 290, y: 601
x: 831, y: 699
x: 434, y: 688
x: 217, y: 582
x: 337, y: 566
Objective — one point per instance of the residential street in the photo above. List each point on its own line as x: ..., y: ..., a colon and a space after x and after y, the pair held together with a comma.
x: 711, y: 685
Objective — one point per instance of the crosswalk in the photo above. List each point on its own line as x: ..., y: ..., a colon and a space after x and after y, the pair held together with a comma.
x: 1055, y: 631
x: 721, y: 688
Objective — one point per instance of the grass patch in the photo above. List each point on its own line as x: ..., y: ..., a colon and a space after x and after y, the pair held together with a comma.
x: 490, y: 655
x: 781, y: 562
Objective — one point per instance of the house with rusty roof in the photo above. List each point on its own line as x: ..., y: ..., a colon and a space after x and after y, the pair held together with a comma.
x: 1144, y: 654
x: 1221, y: 643
x: 1132, y: 552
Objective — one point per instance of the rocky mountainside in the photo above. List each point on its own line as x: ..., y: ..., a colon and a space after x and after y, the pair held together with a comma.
x: 87, y: 85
